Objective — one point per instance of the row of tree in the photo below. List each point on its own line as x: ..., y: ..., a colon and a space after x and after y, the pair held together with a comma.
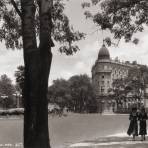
x: 9, y: 92
x: 75, y: 94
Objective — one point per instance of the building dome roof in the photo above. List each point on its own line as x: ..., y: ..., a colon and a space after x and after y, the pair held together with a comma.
x: 103, y: 53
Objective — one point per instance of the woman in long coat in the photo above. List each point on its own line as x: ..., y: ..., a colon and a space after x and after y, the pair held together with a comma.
x: 133, y: 126
x: 142, y: 118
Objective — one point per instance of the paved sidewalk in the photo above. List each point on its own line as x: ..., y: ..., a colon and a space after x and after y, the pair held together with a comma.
x: 112, y: 142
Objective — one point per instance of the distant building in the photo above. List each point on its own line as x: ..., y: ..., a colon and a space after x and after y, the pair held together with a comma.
x: 105, y: 71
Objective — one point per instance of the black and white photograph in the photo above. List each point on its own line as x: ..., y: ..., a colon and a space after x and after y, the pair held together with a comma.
x: 73, y: 73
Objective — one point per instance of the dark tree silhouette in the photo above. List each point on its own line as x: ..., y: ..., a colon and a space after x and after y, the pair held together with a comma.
x: 123, y: 18
x: 23, y: 22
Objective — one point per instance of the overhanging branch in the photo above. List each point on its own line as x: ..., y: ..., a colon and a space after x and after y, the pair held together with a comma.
x: 16, y: 8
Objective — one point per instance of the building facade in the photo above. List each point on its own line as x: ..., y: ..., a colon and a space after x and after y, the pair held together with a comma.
x: 104, y: 72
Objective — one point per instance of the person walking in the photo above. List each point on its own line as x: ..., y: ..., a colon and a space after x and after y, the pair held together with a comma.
x: 143, y: 127
x: 133, y: 126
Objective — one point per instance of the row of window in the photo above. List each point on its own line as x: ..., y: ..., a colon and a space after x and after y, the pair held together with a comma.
x: 103, y: 82
x: 119, y: 72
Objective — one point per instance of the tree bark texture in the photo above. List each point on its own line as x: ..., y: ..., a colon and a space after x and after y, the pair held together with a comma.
x: 37, y: 67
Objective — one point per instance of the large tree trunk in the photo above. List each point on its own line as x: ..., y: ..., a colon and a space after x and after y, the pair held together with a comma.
x: 37, y: 67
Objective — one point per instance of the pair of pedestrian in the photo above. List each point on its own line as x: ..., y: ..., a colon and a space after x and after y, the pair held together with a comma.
x: 134, y: 117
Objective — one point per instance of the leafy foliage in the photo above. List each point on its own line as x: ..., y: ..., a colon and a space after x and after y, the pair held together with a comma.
x: 6, y: 86
x: 59, y: 92
x: 62, y: 32
x: 20, y: 77
x: 81, y: 92
x: 122, y: 17
x: 76, y: 94
x: 10, y: 30
x: 144, y: 73
x: 6, y: 91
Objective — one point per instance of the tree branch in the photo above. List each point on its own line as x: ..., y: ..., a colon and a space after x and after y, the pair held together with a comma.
x: 16, y: 8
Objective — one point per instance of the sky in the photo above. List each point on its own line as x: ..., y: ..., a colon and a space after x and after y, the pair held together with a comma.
x: 80, y: 63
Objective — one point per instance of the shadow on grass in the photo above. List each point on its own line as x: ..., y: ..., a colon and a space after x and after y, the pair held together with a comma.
x: 112, y: 142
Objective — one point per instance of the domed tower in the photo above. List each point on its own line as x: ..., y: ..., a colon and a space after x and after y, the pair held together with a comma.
x: 101, y: 72
x: 103, y: 53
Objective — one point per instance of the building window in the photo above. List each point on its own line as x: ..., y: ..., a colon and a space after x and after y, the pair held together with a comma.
x: 102, y: 89
x: 105, y: 67
x: 102, y: 77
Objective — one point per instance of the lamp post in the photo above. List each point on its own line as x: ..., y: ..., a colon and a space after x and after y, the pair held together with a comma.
x: 17, y: 96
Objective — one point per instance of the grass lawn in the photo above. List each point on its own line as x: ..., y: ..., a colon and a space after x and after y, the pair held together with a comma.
x: 79, y: 127
x: 67, y: 130
x: 11, y: 131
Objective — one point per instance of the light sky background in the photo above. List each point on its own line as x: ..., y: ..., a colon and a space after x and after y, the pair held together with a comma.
x: 66, y: 66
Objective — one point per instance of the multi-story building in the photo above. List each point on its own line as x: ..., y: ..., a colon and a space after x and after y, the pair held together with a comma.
x: 105, y: 71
